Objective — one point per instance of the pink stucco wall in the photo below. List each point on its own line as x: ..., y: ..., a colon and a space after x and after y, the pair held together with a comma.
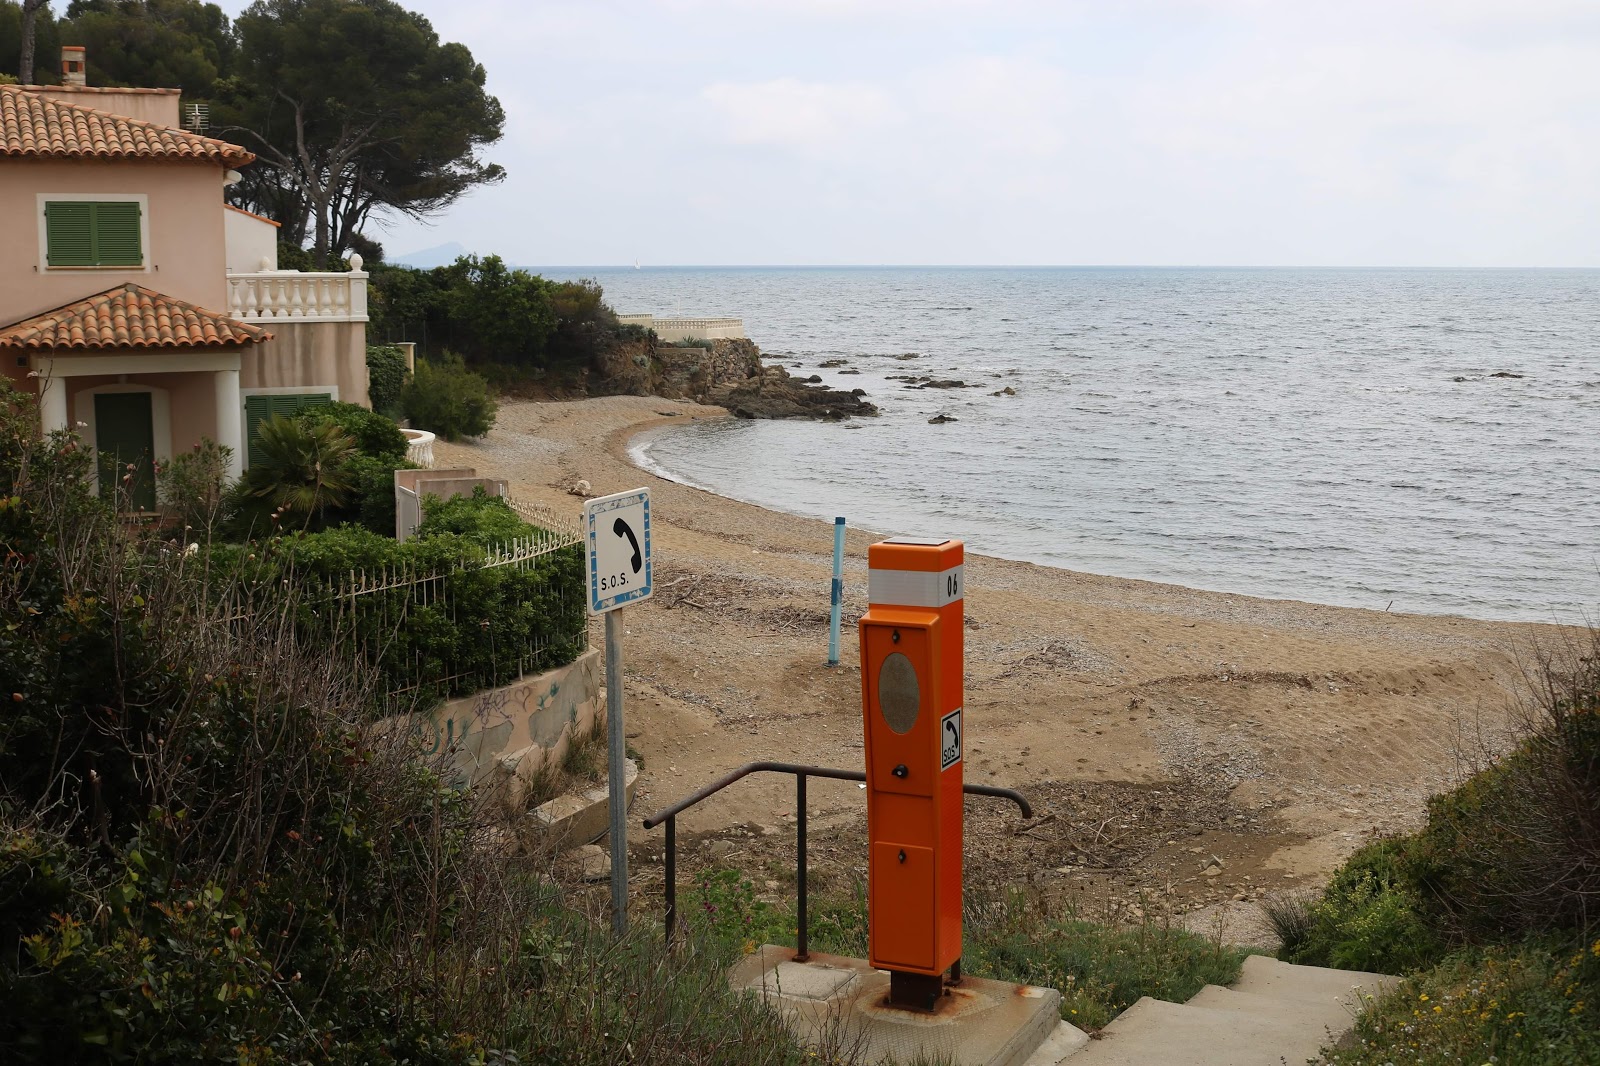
x: 150, y: 105
x: 184, y: 256
x: 192, y: 399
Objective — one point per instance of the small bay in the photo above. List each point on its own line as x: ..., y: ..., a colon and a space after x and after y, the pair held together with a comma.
x: 1417, y: 440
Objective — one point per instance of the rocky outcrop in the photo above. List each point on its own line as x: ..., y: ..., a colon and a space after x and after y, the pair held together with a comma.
x: 692, y: 373
x: 724, y: 372
x: 774, y: 394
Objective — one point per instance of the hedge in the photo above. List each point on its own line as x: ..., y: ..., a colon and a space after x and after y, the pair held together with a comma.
x: 457, y: 626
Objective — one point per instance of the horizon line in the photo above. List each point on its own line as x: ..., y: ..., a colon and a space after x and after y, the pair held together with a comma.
x: 1009, y: 266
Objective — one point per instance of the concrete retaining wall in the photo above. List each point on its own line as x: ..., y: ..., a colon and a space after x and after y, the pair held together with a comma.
x: 505, y: 735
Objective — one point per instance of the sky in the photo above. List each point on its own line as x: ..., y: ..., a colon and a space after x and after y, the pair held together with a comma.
x: 1033, y: 132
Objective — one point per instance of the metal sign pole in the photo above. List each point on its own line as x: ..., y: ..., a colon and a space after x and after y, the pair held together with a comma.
x: 616, y: 741
x: 836, y: 607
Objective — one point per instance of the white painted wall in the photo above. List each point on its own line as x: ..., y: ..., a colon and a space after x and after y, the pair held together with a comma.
x: 249, y: 240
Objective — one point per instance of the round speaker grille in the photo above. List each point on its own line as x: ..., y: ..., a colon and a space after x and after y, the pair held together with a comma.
x: 899, y: 694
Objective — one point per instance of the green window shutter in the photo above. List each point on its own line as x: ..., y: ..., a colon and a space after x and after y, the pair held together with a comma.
x: 116, y: 234
x: 259, y: 409
x: 87, y: 233
x: 69, y: 233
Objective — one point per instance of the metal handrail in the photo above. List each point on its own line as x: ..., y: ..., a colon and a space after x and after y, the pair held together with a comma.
x: 800, y: 772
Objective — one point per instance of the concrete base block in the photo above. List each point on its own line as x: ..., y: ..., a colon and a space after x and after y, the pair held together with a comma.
x: 580, y: 817
x: 837, y: 1005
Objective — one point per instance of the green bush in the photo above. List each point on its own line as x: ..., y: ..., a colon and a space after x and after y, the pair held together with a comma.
x: 486, y: 520
x: 1369, y: 917
x: 374, y: 434
x: 1516, y: 848
x: 1532, y: 1004
x: 193, y: 485
x: 386, y: 377
x: 1100, y: 970
x: 204, y: 855
x: 297, y: 478
x: 208, y: 854
x: 448, y: 399
x: 477, y: 627
x: 371, y: 503
x: 368, y: 473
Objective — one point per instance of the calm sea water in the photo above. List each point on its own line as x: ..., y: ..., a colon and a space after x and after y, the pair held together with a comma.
x: 1339, y: 436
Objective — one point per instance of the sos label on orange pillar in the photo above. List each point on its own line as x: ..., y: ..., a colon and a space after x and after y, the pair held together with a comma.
x: 911, y: 697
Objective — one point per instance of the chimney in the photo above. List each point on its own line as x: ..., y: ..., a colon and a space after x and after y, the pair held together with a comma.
x: 74, y: 63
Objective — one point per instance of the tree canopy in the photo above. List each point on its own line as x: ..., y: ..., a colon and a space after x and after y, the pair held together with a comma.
x: 355, y: 108
x: 182, y: 44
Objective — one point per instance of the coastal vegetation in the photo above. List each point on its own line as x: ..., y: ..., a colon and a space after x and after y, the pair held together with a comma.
x: 449, y: 399
x: 508, y: 324
x: 1492, y: 909
x: 210, y: 850
x: 331, y: 464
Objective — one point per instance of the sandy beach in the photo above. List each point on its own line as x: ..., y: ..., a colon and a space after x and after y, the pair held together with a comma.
x: 1184, y: 750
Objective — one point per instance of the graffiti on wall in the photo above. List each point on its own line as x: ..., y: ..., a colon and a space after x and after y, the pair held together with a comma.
x: 472, y: 732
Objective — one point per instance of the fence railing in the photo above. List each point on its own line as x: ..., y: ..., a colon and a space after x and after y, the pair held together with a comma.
x: 801, y: 772
x: 286, y: 294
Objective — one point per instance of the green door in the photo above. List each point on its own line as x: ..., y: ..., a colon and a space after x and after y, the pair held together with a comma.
x: 124, y: 431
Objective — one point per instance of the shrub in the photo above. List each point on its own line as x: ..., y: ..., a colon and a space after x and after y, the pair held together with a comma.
x: 1009, y: 936
x: 298, y: 475
x: 371, y: 503
x: 386, y: 377
x: 486, y: 520
x: 478, y: 627
x: 207, y: 855
x: 1531, y: 1004
x: 373, y: 434
x: 448, y: 399
x: 1369, y: 917
x: 1516, y: 847
x: 193, y: 484
x: 245, y: 887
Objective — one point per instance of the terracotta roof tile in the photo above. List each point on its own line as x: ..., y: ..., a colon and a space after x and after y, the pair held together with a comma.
x: 36, y: 126
x: 129, y: 317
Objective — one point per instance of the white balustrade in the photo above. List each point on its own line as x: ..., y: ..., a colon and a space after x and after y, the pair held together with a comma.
x: 290, y: 294
x: 419, y: 447
x: 681, y: 328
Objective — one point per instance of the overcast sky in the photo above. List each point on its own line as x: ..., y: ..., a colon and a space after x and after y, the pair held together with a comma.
x: 1362, y: 132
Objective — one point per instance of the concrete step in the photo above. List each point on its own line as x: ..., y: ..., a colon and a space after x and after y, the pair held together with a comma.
x: 1314, y: 985
x: 1277, y: 1013
x: 1328, y: 1019
x: 1154, y: 1032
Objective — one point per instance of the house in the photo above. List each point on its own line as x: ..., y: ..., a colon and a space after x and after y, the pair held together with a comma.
x: 143, y: 311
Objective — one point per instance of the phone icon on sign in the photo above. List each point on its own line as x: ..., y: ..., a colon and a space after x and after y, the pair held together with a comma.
x: 622, y: 529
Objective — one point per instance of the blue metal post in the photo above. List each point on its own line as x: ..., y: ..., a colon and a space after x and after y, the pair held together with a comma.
x: 838, y: 592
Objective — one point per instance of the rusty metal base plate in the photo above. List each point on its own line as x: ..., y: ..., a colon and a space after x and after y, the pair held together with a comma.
x: 841, y: 1006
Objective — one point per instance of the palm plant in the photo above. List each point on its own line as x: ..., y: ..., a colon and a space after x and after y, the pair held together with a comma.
x: 298, y: 471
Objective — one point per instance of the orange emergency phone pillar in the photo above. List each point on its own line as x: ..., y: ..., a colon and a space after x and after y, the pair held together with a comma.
x: 911, y: 696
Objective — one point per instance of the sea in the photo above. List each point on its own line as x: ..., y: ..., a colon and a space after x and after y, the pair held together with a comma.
x: 1407, y: 440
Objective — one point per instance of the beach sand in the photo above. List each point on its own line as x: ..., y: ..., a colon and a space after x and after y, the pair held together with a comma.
x: 1187, y: 751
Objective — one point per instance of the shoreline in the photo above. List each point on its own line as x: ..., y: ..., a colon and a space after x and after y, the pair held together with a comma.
x: 1277, y: 735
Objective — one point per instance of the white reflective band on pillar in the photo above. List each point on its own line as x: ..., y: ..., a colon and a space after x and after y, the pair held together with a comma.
x: 916, y: 588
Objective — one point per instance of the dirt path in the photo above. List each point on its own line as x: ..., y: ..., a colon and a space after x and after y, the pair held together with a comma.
x: 1182, y: 748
